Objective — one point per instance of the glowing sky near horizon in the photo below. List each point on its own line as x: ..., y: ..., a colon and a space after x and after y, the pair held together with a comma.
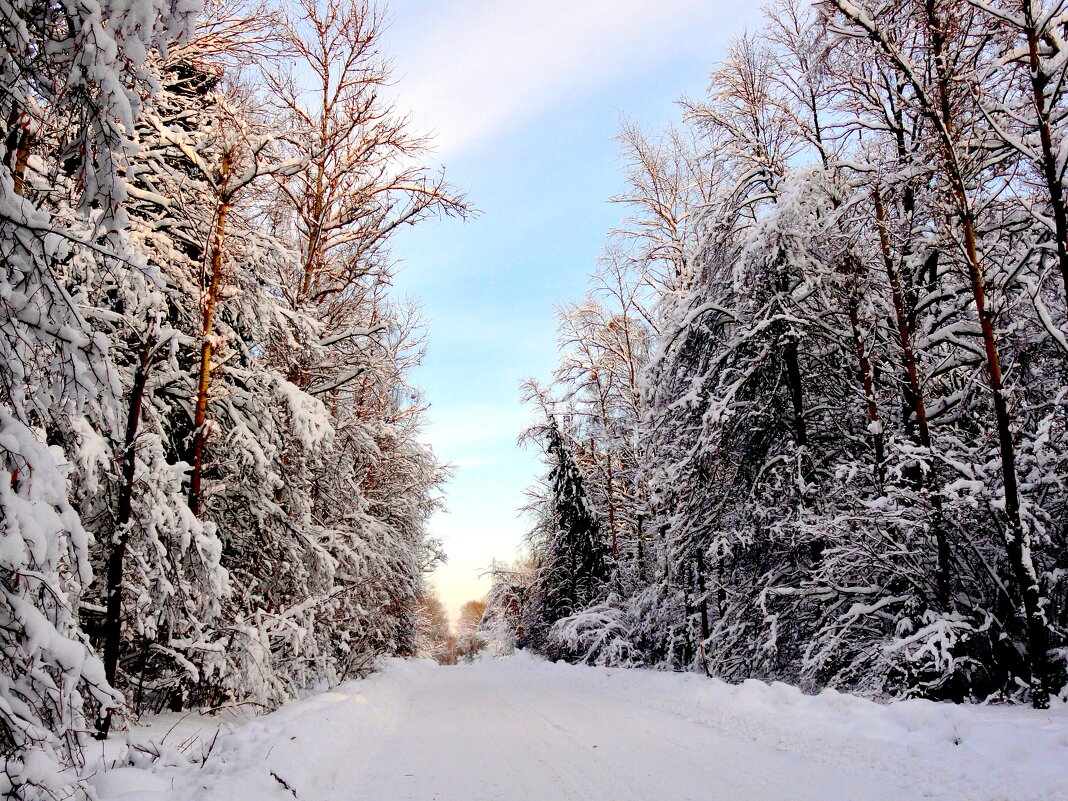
x: 524, y: 99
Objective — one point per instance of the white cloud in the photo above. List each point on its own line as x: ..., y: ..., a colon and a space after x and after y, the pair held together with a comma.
x: 470, y: 69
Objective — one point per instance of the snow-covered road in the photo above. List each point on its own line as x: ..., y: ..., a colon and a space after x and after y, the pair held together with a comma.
x: 521, y: 729
x: 495, y: 733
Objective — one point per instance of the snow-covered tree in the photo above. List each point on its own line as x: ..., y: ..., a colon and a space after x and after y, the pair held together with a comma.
x: 572, y: 553
x: 74, y: 80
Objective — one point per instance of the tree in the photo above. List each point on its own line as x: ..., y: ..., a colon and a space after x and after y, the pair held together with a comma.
x: 944, y: 41
x: 573, y: 557
x: 205, y: 396
x: 469, y: 642
x: 437, y: 639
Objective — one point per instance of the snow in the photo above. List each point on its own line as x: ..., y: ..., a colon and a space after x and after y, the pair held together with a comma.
x: 521, y: 728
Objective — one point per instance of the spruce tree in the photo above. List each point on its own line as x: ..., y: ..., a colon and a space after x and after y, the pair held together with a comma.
x: 576, y: 557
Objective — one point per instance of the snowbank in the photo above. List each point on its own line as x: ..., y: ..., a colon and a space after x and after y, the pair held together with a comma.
x: 241, y: 758
x: 995, y: 753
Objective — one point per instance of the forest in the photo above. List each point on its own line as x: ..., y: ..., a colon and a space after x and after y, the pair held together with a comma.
x: 809, y: 422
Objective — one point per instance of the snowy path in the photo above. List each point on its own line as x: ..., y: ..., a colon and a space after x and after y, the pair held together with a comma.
x: 519, y: 730
x: 492, y: 734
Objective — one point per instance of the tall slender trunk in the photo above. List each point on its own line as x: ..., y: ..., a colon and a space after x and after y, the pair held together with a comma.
x: 314, y: 252
x: 612, y: 509
x: 792, y: 361
x: 639, y: 550
x: 121, y: 537
x: 703, y: 607
x: 867, y: 380
x: 1048, y: 160
x: 918, y: 408
x: 687, y: 612
x: 852, y: 268
x: 875, y: 425
x: 909, y: 400
x: 917, y: 404
x: 211, y: 298
x: 797, y: 401
x: 1017, y: 541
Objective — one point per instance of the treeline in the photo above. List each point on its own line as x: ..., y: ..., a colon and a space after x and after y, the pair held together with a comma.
x: 212, y: 483
x: 445, y: 644
x: 810, y: 422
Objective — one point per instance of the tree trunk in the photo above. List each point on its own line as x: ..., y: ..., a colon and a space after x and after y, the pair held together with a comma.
x: 1017, y: 540
x: 791, y: 359
x: 918, y: 407
x: 201, y: 414
x: 703, y: 607
x: 113, y: 617
x: 687, y: 611
x: 793, y: 375
x: 917, y: 404
x: 1048, y: 164
x: 612, y: 511
x: 639, y: 550
x: 875, y: 425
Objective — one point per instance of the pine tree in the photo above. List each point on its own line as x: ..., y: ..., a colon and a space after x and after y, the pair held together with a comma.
x: 574, y: 557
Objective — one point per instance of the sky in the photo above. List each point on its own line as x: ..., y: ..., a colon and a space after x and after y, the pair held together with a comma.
x: 523, y: 98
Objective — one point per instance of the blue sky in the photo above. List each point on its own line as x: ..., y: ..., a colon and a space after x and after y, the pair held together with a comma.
x: 524, y: 99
